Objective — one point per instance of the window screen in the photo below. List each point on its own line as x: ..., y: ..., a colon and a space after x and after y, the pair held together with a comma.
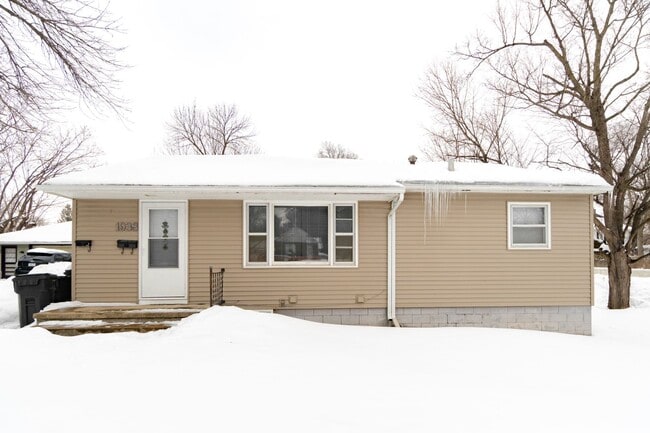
x: 529, y: 226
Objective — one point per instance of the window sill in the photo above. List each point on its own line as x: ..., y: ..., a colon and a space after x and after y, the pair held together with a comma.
x: 529, y: 247
x: 305, y: 266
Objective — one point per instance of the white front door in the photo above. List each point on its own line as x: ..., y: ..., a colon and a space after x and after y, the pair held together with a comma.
x: 163, y: 251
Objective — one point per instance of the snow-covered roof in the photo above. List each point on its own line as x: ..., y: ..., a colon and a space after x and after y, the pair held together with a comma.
x: 243, y: 174
x: 53, y: 234
x: 473, y: 175
x: 42, y: 250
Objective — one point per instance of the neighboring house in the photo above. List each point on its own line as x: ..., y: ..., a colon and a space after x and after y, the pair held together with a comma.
x: 340, y: 241
x: 15, y: 244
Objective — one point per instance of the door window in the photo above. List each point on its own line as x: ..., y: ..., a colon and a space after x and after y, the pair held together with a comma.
x: 10, y: 255
x: 163, y: 238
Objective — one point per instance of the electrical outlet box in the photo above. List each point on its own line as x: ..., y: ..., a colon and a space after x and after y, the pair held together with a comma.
x: 293, y: 299
x: 360, y: 299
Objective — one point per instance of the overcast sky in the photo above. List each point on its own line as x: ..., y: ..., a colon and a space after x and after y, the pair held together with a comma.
x: 304, y: 71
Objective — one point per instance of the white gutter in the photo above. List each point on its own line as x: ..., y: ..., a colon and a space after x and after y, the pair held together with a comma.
x: 506, y: 188
x: 214, y: 191
x: 390, y: 306
x: 239, y: 191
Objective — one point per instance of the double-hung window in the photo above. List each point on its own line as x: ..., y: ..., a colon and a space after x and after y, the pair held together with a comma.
x: 344, y: 234
x: 529, y: 225
x: 257, y: 233
x: 279, y: 234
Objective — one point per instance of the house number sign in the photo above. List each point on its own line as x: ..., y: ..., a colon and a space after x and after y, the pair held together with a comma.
x: 124, y: 226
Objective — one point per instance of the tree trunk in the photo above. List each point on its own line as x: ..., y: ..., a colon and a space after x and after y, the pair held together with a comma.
x: 619, y: 280
x: 639, y: 243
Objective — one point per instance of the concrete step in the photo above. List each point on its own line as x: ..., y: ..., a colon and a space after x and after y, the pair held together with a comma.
x: 79, y: 327
x: 137, y: 312
x: 113, y: 318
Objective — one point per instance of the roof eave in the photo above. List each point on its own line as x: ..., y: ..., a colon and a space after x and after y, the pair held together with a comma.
x: 221, y: 192
x: 420, y: 186
x: 34, y: 241
x: 359, y: 192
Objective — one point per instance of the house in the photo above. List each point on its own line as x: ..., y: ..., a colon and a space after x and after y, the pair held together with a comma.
x: 14, y: 244
x: 340, y: 241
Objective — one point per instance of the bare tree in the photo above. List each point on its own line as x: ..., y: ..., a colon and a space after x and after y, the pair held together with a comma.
x: 335, y: 151
x: 469, y: 123
x: 66, y: 213
x: 584, y: 63
x: 51, y: 50
x: 220, y: 130
x: 30, y: 158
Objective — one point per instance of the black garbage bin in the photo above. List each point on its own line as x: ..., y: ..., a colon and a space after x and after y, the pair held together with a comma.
x: 63, y: 291
x: 35, y: 292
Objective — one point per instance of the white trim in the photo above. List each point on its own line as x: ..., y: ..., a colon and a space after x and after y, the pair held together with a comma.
x: 224, y: 192
x: 507, y: 188
x: 354, y: 235
x: 184, y: 260
x: 270, y: 246
x: 246, y: 234
x: 324, y: 192
x: 547, y: 226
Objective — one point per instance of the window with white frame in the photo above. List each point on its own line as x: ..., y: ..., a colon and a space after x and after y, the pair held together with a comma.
x: 344, y: 234
x: 529, y: 225
x: 300, y: 234
x: 279, y: 234
x: 257, y: 234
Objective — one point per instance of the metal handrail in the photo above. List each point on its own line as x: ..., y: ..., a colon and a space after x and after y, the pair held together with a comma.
x: 216, y: 287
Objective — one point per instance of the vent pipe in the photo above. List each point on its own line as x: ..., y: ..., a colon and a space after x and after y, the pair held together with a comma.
x: 450, y: 164
x: 412, y: 159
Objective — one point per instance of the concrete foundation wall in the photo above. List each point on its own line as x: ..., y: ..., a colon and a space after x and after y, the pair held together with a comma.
x: 341, y: 316
x: 569, y: 320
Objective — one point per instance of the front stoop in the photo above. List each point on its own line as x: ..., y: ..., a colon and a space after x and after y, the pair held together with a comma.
x: 105, y: 319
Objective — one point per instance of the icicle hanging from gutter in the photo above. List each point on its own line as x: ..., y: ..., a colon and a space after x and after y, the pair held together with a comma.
x: 437, y: 204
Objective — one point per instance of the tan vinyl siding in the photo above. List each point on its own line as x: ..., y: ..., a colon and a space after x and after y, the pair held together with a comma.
x: 463, y: 259
x: 104, y: 274
x: 216, y: 239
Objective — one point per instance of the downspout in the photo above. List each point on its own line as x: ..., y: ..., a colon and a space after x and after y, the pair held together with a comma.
x: 390, y: 305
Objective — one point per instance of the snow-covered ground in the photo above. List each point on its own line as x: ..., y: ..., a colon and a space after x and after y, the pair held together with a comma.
x: 639, y: 290
x: 8, y: 306
x: 227, y: 369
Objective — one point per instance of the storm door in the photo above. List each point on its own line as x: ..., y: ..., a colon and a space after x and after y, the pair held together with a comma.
x: 163, y: 251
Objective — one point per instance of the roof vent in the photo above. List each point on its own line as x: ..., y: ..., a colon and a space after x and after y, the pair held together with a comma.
x: 412, y: 159
x: 450, y: 164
